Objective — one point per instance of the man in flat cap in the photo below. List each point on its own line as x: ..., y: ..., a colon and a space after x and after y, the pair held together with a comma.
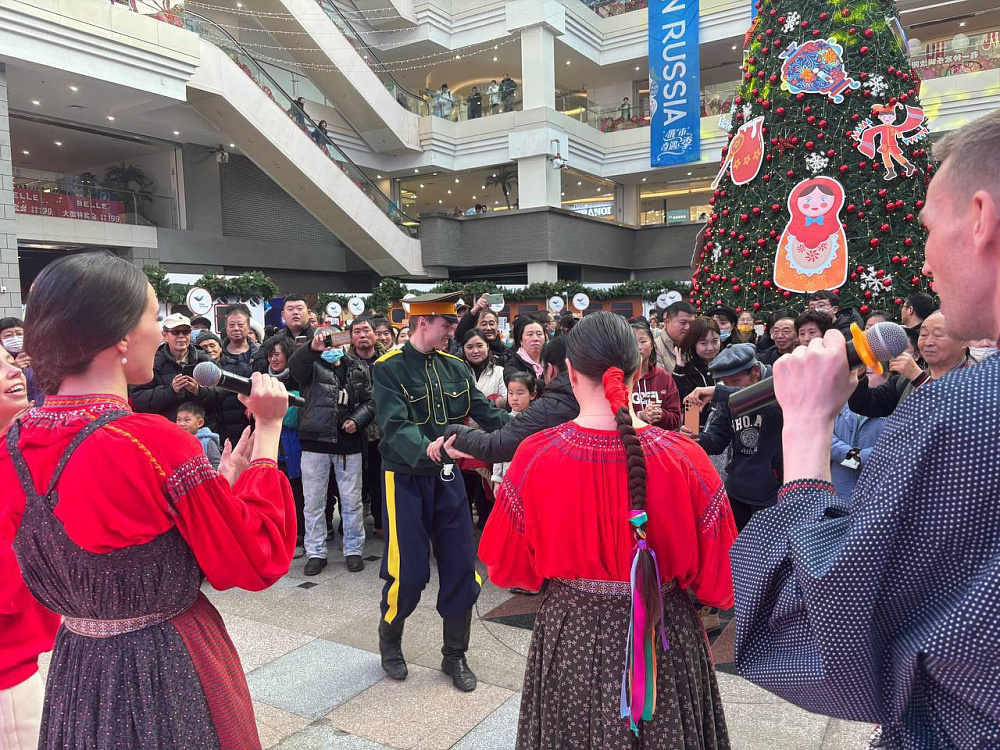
x: 419, y: 390
x: 754, y: 469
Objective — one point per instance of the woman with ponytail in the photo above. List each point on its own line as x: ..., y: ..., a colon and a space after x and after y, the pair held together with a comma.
x: 623, y: 518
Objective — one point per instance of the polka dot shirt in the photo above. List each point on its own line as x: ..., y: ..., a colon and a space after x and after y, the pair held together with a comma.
x: 887, y: 608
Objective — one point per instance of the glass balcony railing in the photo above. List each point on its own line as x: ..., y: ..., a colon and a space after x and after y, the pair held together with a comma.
x: 213, y: 33
x: 406, y: 99
x: 472, y: 107
x: 961, y: 54
x: 606, y: 8
x: 67, y: 196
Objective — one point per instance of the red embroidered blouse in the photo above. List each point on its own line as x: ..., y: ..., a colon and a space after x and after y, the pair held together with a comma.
x: 128, y: 483
x: 562, y: 512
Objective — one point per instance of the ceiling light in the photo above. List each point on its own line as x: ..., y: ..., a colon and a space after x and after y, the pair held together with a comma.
x: 482, y: 187
x: 494, y: 59
x: 456, y: 180
x: 643, y: 179
x: 458, y: 57
x: 239, y: 5
x: 637, y: 67
x: 689, y: 174
x: 421, y: 184
x: 449, y: 192
x: 496, y: 46
x: 598, y: 190
x: 567, y: 62
x: 111, y: 118
x: 26, y: 153
x: 475, y: 197
x: 962, y: 24
x: 58, y: 143
x: 177, y: 132
x: 579, y: 182
x: 36, y: 102
x: 74, y: 88
x: 496, y: 203
x: 562, y: 195
x: 232, y: 145
x: 378, y: 177
x: 440, y: 201
x: 416, y: 171
x: 494, y: 174
x: 734, y: 46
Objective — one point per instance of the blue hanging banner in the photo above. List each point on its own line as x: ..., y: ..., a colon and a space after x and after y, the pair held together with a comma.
x: 674, y: 82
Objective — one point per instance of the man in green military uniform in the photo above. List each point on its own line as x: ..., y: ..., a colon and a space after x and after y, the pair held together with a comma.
x: 419, y: 390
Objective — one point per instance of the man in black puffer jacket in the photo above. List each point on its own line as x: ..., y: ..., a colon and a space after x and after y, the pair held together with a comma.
x: 555, y: 406
x: 172, y: 384
x: 338, y: 393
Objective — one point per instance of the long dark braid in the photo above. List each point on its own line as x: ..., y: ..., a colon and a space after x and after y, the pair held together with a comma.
x: 603, y: 346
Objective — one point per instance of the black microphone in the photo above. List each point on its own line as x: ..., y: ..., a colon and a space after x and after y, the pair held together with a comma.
x: 210, y: 375
x: 880, y: 343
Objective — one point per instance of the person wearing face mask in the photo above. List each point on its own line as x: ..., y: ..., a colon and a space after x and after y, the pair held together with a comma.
x: 12, y: 338
x: 337, y: 389
x: 983, y: 349
x: 745, y: 333
x: 727, y: 319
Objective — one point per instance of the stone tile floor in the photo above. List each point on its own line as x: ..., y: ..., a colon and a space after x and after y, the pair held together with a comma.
x: 309, y: 647
x: 311, y: 660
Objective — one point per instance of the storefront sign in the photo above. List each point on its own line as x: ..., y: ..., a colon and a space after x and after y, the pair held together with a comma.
x: 674, y: 82
x: 35, y: 203
x: 678, y: 215
x: 595, y: 209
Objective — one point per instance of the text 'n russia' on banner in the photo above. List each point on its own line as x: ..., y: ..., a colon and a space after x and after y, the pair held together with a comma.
x: 674, y: 82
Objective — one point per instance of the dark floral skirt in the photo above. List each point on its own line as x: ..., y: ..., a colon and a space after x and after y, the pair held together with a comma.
x: 572, y: 685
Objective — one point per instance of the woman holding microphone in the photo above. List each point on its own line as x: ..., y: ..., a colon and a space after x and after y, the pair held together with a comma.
x: 116, y: 518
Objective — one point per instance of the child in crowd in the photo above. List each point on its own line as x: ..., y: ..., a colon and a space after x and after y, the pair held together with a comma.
x: 522, y: 388
x: 191, y: 418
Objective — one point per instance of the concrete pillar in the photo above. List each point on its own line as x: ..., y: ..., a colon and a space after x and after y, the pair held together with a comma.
x: 538, y: 70
x: 140, y: 256
x: 539, y: 22
x: 10, y: 273
x: 542, y: 271
x: 538, y: 184
x: 631, y: 205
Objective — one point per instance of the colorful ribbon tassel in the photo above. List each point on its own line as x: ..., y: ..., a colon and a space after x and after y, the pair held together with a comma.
x: 638, y: 702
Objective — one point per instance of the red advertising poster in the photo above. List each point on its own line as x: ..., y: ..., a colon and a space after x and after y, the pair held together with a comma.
x: 68, y: 206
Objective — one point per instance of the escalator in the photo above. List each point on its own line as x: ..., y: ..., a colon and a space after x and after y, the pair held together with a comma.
x: 334, y: 55
x: 234, y: 92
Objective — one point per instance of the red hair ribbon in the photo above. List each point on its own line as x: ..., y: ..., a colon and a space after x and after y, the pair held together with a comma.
x: 614, y: 389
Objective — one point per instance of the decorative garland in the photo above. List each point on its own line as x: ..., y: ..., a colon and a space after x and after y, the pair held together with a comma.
x: 389, y: 291
x: 249, y: 284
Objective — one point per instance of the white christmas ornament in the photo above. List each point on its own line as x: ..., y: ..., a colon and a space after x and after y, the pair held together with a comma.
x: 791, y: 22
x: 877, y: 84
x: 872, y: 283
x: 816, y: 163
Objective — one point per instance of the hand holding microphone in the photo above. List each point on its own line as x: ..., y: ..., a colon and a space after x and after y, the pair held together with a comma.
x: 209, y: 375
x: 807, y: 375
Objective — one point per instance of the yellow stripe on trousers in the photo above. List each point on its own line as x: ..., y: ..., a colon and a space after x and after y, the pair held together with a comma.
x: 392, y: 563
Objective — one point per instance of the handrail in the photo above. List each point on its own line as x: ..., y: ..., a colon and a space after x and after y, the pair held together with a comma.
x: 352, y: 169
x: 331, y: 9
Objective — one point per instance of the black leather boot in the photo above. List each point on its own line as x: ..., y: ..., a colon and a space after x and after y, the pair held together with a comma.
x: 456, y: 643
x: 390, y: 646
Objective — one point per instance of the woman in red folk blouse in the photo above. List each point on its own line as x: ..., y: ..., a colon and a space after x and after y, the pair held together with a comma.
x: 623, y: 518
x: 116, y: 517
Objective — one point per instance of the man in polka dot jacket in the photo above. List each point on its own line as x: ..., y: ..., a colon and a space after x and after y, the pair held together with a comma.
x: 885, y: 608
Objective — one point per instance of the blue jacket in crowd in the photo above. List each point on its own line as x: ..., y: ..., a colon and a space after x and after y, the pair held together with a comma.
x: 852, y: 431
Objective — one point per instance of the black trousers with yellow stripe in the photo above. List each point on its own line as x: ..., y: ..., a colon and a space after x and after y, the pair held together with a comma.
x: 420, y: 511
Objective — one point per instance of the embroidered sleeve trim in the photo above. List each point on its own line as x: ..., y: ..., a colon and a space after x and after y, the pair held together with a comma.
x: 806, y: 484
x: 187, y: 477
x: 263, y: 463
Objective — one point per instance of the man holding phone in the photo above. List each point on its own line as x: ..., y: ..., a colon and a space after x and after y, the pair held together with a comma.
x: 172, y: 382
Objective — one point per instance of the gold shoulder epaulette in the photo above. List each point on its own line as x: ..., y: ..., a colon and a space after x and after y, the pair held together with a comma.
x: 387, y: 355
x: 452, y: 356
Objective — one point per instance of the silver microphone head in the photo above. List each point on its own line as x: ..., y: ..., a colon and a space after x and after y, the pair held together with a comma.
x: 887, y: 340
x: 207, y: 374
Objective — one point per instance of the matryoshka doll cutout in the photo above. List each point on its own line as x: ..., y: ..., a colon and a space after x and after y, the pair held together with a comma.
x: 812, y: 250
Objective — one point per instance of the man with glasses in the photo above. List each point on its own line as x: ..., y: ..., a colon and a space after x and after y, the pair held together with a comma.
x: 827, y: 302
x: 172, y: 382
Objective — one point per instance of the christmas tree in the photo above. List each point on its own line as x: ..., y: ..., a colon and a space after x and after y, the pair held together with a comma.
x: 826, y: 167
